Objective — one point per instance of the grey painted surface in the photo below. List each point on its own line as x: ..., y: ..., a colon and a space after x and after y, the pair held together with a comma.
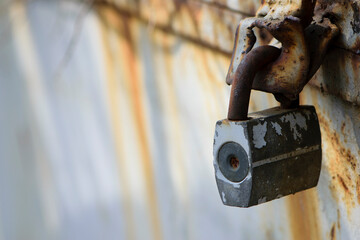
x: 89, y: 125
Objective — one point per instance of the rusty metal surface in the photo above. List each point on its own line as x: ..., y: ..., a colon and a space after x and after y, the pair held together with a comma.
x: 278, y: 9
x: 303, y: 46
x: 331, y: 78
x: 116, y: 143
x: 244, y: 77
x: 285, y: 20
x: 287, y: 75
x: 345, y: 14
x: 320, y: 35
x: 338, y: 190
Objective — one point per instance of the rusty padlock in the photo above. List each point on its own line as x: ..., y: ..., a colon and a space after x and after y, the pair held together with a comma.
x: 268, y: 154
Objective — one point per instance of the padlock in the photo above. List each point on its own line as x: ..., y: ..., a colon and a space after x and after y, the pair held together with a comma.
x: 267, y: 154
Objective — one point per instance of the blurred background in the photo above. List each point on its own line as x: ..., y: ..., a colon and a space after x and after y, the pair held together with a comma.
x: 107, y: 116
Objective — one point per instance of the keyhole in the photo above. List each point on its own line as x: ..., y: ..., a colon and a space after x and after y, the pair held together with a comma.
x: 234, y: 162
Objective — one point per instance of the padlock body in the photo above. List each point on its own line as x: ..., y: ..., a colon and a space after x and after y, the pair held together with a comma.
x: 275, y: 153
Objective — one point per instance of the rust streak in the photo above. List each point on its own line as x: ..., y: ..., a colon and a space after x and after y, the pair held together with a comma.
x: 341, y: 180
x: 303, y: 215
x: 333, y: 232
x: 339, y: 161
x: 358, y: 189
x: 128, y: 51
x: 165, y: 28
x: 179, y: 179
x: 225, y: 7
x: 115, y: 122
x: 169, y: 29
x: 341, y: 164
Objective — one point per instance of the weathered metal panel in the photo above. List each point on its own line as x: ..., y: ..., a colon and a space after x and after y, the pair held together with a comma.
x: 338, y: 189
x: 339, y: 75
x: 346, y: 15
x: 107, y: 114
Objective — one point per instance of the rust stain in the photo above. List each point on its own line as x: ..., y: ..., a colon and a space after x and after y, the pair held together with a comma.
x: 355, y: 62
x: 167, y: 28
x: 218, y: 5
x: 269, y: 233
x: 172, y: 107
x: 128, y: 51
x: 333, y: 232
x: 343, y: 131
x: 343, y: 127
x: 303, y: 214
x: 341, y: 164
x: 358, y: 189
x: 115, y: 122
x: 341, y: 180
x: 344, y: 14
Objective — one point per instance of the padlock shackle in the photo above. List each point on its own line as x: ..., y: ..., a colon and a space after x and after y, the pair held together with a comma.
x: 253, y: 61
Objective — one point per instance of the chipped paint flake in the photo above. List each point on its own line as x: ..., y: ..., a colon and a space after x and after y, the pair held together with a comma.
x: 223, y: 197
x: 297, y: 122
x: 262, y: 200
x: 221, y: 177
x: 259, y: 132
x: 277, y: 128
x: 308, y: 114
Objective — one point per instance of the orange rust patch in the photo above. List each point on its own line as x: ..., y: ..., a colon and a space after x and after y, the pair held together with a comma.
x: 129, y: 51
x: 340, y: 163
x: 341, y: 180
x: 123, y: 25
x: 343, y: 127
x: 303, y: 214
x: 226, y: 122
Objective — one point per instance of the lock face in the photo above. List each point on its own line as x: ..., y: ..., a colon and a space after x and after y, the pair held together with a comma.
x: 233, y: 161
x: 275, y: 153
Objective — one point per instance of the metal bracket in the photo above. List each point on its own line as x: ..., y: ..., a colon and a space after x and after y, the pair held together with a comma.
x: 303, y: 46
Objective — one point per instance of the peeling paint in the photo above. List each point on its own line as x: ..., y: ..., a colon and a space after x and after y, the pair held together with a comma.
x: 262, y: 200
x: 277, y: 128
x: 297, y: 123
x: 259, y: 132
x: 223, y: 196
